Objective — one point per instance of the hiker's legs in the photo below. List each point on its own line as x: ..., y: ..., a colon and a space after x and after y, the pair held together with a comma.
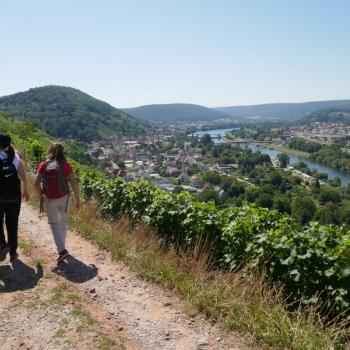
x: 12, y: 211
x: 63, y: 207
x: 2, y: 233
x: 53, y: 214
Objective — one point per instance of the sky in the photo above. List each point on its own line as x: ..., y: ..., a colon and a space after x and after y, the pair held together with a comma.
x: 209, y: 52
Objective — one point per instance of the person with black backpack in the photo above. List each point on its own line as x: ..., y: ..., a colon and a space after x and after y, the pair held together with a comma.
x: 52, y: 183
x: 12, y: 174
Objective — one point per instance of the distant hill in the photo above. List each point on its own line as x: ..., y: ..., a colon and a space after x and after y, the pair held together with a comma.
x: 175, y: 112
x: 280, y: 111
x: 340, y: 115
x: 69, y: 113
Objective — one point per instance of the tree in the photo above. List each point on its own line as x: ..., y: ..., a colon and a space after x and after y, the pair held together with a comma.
x: 329, y: 214
x: 206, y: 140
x: 281, y: 203
x: 265, y: 200
x: 121, y: 164
x: 216, y: 153
x: 213, y: 177
x: 209, y: 194
x: 329, y: 195
x: 305, y: 146
x: 235, y: 190
x: 283, y: 159
x: 276, y: 179
x: 193, y: 170
x: 344, y: 214
x: 316, y: 187
x: 36, y: 150
x: 303, y: 209
x: 337, y: 181
x: 178, y: 189
x: 321, y: 176
x: 301, y: 166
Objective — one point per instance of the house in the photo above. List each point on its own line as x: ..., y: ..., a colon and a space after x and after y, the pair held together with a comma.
x: 141, y: 157
x: 183, y: 178
x: 187, y: 146
x: 149, y: 170
x: 172, y: 171
x: 195, y: 181
x: 304, y: 177
x: 227, y: 166
x: 190, y: 189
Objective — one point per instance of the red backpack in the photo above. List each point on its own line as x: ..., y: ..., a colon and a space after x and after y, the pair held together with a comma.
x: 54, y: 182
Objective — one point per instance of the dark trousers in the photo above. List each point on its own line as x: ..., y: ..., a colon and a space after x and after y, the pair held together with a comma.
x: 10, y: 212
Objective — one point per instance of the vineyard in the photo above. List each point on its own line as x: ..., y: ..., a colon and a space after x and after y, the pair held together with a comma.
x: 313, y: 263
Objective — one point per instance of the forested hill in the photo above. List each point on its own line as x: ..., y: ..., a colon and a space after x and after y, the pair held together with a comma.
x: 281, y: 111
x: 69, y: 113
x: 175, y: 112
x: 339, y: 115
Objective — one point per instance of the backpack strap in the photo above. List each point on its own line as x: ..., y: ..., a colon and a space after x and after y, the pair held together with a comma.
x: 11, y: 159
x: 44, y: 179
x: 62, y: 181
x: 8, y: 159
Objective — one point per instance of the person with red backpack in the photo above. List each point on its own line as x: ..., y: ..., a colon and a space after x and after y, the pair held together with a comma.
x: 12, y: 173
x: 52, y: 183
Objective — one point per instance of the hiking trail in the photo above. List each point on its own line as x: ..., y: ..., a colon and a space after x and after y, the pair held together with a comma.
x: 90, y: 301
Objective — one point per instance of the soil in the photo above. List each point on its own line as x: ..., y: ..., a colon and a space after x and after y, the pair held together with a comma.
x: 90, y: 301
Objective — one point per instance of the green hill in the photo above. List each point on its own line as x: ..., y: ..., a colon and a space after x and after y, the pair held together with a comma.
x: 69, y: 113
x: 26, y: 134
x: 175, y: 112
x: 280, y: 111
x: 190, y: 112
x: 339, y: 115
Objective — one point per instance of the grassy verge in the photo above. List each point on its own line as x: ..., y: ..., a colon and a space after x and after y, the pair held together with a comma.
x: 287, y: 150
x: 242, y: 301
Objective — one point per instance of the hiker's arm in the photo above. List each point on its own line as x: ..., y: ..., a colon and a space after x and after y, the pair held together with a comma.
x: 38, y: 184
x: 75, y: 187
x: 22, y: 175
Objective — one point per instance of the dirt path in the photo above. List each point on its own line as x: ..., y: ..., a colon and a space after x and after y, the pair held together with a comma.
x: 90, y: 302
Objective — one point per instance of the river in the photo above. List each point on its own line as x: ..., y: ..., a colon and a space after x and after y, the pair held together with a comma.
x: 214, y: 133
x: 321, y: 168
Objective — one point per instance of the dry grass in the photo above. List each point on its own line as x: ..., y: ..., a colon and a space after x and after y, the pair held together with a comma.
x: 242, y: 301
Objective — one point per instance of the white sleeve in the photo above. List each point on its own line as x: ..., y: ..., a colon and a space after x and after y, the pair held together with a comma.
x: 16, y: 161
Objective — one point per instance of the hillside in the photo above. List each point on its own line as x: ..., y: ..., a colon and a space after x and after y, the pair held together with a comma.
x: 24, y: 134
x: 191, y: 112
x: 175, y: 112
x: 280, y: 111
x: 69, y: 113
x: 339, y: 114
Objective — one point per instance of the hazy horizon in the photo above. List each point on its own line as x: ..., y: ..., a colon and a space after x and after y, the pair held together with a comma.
x: 192, y: 103
x: 216, y: 54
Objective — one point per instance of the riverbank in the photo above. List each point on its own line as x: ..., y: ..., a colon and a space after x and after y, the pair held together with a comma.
x: 287, y: 150
x: 272, y: 150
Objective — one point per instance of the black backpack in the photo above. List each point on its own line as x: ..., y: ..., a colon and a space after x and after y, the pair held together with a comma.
x: 10, y: 184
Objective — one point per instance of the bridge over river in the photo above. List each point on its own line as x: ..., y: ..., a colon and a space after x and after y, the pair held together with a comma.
x: 220, y: 135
